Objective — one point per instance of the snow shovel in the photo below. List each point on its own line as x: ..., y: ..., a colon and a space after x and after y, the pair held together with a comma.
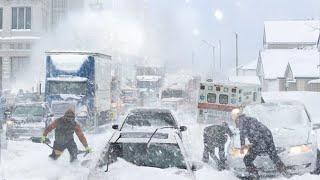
x: 48, y: 142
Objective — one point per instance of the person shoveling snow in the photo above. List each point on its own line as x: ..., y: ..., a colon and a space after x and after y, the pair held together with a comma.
x: 64, y: 128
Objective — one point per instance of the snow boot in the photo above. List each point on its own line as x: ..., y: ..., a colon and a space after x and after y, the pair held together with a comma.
x: 253, y: 173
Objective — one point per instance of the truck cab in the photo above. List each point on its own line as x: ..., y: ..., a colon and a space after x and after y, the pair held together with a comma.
x: 79, y: 80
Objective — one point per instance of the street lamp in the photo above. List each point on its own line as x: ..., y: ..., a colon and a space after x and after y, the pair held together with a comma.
x: 213, y: 55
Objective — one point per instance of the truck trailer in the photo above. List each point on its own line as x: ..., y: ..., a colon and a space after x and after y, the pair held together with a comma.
x: 82, y: 81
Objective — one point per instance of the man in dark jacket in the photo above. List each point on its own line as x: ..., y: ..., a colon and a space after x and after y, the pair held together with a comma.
x: 215, y: 136
x: 261, y: 141
x: 64, y: 128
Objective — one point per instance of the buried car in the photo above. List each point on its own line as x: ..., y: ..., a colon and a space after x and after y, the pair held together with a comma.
x: 28, y: 120
x: 160, y: 151
x: 293, y: 135
x: 148, y: 118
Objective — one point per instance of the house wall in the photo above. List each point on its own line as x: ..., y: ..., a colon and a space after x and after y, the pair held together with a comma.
x: 288, y: 46
x: 302, y: 83
x: 314, y: 87
x: 270, y: 85
x: 282, y: 84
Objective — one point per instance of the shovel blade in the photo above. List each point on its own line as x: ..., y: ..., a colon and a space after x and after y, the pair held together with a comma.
x: 38, y: 140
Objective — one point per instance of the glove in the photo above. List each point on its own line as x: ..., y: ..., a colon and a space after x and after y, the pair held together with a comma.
x: 88, y: 150
x: 42, y: 139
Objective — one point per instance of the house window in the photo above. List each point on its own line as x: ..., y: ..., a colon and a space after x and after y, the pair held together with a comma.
x: 211, y: 98
x: 11, y: 46
x: 28, y: 46
x: 223, y: 99
x: 1, y: 17
x: 21, y: 18
x: 19, y: 46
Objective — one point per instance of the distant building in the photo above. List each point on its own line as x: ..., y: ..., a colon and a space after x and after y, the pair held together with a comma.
x: 283, y: 70
x: 249, y: 69
x: 21, y: 25
x: 59, y: 9
x: 290, y: 34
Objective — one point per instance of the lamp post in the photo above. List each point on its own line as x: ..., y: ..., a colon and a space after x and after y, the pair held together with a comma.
x: 213, y: 55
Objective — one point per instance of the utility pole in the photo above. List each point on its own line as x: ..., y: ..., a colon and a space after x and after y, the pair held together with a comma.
x: 213, y: 56
x: 220, y: 56
x: 237, y: 56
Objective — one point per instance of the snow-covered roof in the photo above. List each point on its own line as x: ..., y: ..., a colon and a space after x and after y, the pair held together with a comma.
x: 68, y: 79
x: 316, y: 81
x: 12, y: 38
x: 250, y: 66
x: 303, y: 63
x: 291, y: 31
x: 245, y: 79
x: 68, y: 62
x: 148, y: 78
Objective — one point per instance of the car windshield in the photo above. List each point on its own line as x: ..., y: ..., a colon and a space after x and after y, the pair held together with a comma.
x: 158, y: 119
x: 158, y: 155
x: 28, y: 111
x: 279, y: 115
x: 172, y: 93
x: 61, y: 87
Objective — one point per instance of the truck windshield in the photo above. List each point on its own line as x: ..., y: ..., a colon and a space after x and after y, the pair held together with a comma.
x: 172, y: 93
x: 148, y: 84
x: 61, y: 87
x: 157, y: 155
x: 28, y: 110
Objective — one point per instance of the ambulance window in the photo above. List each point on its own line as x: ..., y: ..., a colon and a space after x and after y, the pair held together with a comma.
x: 212, y: 98
x: 202, y: 87
x: 218, y: 88
x: 223, y: 99
x: 234, y: 90
x: 254, y: 96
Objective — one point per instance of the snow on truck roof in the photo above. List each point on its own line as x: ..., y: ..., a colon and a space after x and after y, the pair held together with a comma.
x: 303, y: 63
x: 291, y: 31
x: 68, y: 79
x: 148, y: 78
x: 86, y: 53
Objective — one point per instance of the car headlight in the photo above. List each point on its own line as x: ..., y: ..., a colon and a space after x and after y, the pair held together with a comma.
x: 299, y: 149
x: 10, y: 123
x: 235, y: 152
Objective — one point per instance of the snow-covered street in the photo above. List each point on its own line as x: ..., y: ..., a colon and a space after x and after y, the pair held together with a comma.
x: 27, y: 160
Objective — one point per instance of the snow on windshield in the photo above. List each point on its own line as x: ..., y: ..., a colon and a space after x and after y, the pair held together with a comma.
x: 158, y: 119
x: 279, y: 115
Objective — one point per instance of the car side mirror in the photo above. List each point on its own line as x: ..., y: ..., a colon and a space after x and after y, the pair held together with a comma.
x: 316, y: 126
x: 115, y: 126
x: 195, y: 166
x: 183, y: 128
x: 7, y: 113
x: 50, y: 115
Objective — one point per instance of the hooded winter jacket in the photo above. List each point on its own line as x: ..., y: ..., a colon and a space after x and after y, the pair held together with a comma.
x: 65, y: 127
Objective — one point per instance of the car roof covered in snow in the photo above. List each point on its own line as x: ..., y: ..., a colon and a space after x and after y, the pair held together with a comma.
x: 303, y: 63
x: 162, y: 136
x: 278, y: 32
x: 280, y: 102
x: 85, y: 53
x: 30, y: 104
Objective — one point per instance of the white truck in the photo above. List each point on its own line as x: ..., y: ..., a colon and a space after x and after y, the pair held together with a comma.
x: 217, y: 99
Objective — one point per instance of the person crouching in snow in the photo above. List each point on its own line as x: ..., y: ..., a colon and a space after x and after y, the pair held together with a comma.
x: 261, y: 140
x: 65, y: 127
x: 215, y: 136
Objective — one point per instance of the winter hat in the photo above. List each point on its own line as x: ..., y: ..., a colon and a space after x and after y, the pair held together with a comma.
x: 235, y: 113
x: 69, y: 113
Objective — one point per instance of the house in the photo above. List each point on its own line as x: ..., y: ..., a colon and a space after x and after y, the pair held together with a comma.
x: 249, y: 69
x: 287, y: 69
x: 290, y: 34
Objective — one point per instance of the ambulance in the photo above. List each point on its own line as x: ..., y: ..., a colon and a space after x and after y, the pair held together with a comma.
x: 216, y: 100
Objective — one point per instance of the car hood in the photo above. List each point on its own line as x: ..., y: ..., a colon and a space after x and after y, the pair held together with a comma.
x: 286, y: 137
